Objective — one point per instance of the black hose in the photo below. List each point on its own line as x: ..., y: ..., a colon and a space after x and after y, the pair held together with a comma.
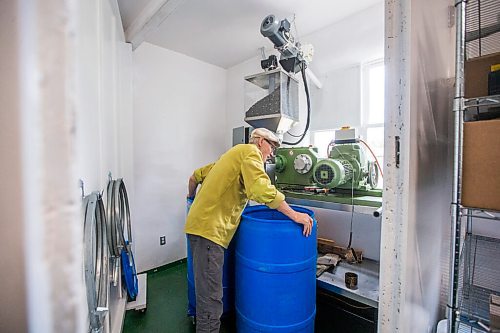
x: 306, y: 87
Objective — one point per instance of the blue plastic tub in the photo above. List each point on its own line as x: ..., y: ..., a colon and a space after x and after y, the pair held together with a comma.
x: 275, y: 277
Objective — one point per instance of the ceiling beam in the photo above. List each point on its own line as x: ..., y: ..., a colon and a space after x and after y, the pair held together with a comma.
x: 149, y: 19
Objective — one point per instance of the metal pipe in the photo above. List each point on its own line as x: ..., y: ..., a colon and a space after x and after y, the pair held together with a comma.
x: 458, y: 107
x: 469, y: 221
x: 482, y: 32
x: 486, y: 217
x: 467, y: 256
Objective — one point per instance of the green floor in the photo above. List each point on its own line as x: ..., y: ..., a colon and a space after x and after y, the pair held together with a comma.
x: 166, y: 305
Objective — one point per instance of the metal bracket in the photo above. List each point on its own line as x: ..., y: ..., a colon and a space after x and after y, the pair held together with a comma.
x: 101, y: 311
x: 82, y: 188
x: 398, y: 151
x: 116, y: 271
x: 262, y: 52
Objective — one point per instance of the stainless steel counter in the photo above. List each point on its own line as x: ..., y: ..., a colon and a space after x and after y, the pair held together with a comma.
x: 368, y: 281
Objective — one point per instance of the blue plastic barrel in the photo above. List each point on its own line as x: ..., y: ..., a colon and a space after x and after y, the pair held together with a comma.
x: 275, y: 273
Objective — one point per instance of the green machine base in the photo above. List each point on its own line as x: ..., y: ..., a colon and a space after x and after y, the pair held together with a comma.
x: 370, y: 198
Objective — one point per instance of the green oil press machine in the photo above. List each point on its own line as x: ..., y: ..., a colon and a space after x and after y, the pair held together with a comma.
x: 346, y: 176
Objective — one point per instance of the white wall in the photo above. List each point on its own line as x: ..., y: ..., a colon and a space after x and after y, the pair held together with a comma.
x: 365, y: 230
x: 104, y: 93
x: 353, y: 40
x: 179, y: 125
x: 63, y: 112
x: 65, y: 115
x: 338, y: 103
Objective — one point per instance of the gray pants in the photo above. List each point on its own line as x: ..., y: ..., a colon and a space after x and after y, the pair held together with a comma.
x: 208, y: 259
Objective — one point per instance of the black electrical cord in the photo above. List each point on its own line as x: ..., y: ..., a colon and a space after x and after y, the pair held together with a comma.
x: 306, y: 87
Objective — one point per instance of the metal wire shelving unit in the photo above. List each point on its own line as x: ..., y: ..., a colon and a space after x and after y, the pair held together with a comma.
x: 480, y: 269
x: 475, y: 260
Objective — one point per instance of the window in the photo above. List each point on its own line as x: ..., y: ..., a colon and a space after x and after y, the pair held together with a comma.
x: 371, y: 127
x: 372, y: 108
x: 321, y: 140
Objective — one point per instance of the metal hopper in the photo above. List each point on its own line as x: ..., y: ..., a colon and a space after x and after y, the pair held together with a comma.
x: 271, y: 100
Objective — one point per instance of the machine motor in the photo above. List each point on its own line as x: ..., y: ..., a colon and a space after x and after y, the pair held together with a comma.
x: 346, y: 167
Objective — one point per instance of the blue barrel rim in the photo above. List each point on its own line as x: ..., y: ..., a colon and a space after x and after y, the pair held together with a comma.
x: 247, y: 214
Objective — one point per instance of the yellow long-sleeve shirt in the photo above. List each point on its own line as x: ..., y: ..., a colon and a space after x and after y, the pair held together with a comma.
x: 226, y: 187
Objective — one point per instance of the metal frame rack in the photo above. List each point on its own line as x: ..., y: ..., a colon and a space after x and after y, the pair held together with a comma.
x: 475, y: 266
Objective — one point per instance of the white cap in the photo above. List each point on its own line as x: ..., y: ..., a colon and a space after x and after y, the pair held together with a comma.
x: 266, y: 134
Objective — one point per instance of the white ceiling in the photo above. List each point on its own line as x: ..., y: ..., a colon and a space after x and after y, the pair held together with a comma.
x: 226, y: 32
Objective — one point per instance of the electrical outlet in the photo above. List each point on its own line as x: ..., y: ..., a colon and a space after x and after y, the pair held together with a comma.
x: 163, y: 240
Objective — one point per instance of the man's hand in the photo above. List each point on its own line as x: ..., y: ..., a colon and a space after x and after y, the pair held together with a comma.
x: 297, y: 217
x: 305, y: 220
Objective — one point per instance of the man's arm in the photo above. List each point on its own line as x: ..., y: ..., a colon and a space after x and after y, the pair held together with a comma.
x: 297, y: 217
x: 197, y: 178
x: 258, y: 187
x: 256, y: 182
x: 192, y: 185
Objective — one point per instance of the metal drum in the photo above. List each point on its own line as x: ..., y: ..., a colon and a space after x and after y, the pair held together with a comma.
x: 275, y: 277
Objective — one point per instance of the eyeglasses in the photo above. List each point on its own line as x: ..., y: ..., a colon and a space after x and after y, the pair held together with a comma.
x: 273, y: 147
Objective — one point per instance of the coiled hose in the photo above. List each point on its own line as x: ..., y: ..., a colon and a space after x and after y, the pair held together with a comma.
x: 95, y: 259
x: 118, y: 212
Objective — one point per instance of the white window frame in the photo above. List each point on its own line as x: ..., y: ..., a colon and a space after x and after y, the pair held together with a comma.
x: 365, y: 109
x: 321, y: 148
x: 365, y: 95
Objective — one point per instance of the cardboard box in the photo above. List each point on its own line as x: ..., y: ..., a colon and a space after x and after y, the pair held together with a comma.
x: 476, y: 74
x: 481, y: 165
